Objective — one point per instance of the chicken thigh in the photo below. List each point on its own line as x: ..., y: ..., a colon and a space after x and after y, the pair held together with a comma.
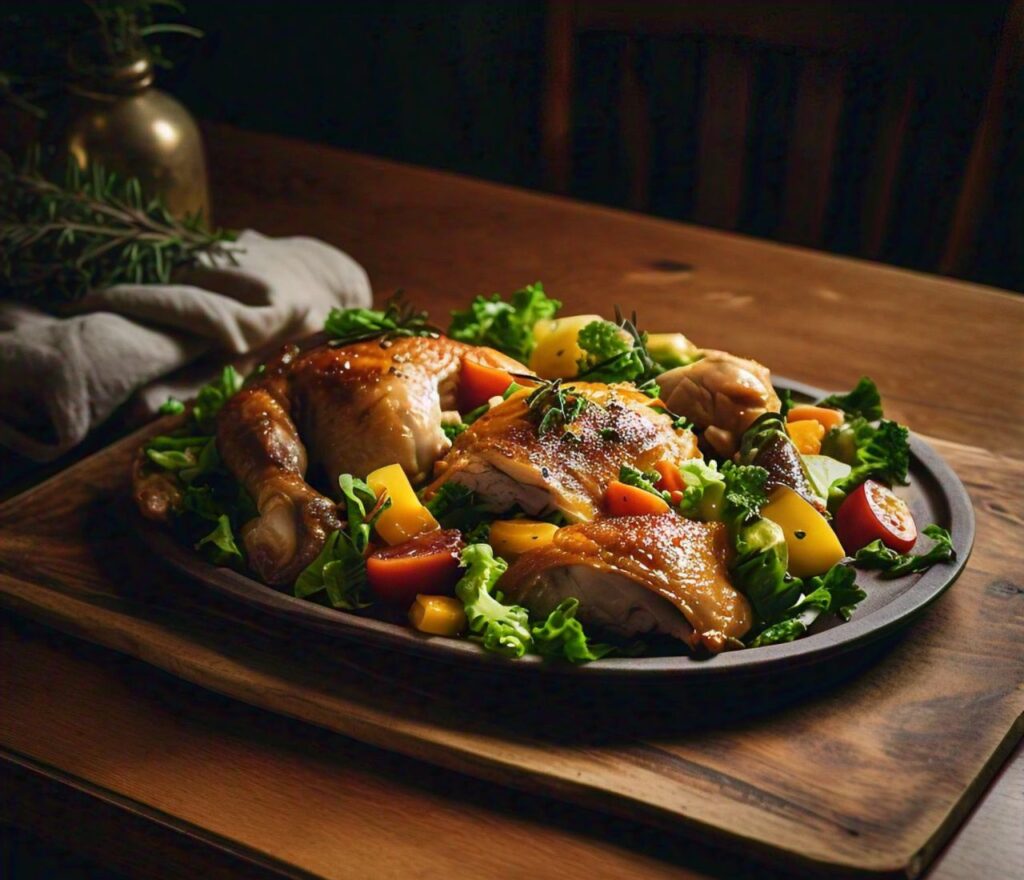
x: 335, y: 410
x: 508, y: 459
x: 722, y: 395
x: 638, y: 575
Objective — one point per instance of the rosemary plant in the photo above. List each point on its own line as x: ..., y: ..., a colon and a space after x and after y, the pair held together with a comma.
x: 58, y: 241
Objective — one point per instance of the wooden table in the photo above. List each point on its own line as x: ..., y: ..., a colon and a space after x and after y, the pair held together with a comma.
x: 158, y: 779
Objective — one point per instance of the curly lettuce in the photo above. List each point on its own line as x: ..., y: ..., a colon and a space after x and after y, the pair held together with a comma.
x: 561, y: 636
x: 506, y: 326
x: 893, y: 565
x: 503, y: 629
x: 864, y: 401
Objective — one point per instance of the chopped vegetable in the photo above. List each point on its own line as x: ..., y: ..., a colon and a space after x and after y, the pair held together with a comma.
x: 406, y: 516
x: 767, y: 443
x: 863, y: 401
x: 828, y: 418
x: 554, y: 407
x: 438, y: 615
x: 892, y: 564
x: 836, y: 592
x: 813, y: 546
x: 479, y: 383
x: 557, y: 352
x: 609, y: 354
x: 671, y: 350
x: 873, y: 512
x: 222, y: 549
x: 561, y: 636
x: 704, y: 490
x: 744, y: 494
x: 823, y: 471
x: 508, y: 327
x: 428, y: 564
x: 621, y: 499
x: 759, y: 569
x: 511, y: 538
x: 881, y: 453
x: 806, y: 435
x: 504, y: 629
x: 670, y: 478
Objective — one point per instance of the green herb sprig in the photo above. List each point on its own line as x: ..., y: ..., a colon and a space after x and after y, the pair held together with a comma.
x: 58, y: 241
x: 397, y: 318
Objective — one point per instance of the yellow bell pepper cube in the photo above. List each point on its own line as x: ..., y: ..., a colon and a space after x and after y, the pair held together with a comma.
x: 514, y: 537
x: 556, y: 353
x: 806, y: 435
x: 438, y: 615
x: 406, y: 517
x: 813, y: 546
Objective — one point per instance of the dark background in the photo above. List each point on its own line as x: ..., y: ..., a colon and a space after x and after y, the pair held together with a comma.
x: 458, y: 85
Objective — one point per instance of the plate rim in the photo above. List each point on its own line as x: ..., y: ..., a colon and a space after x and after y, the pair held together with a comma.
x: 812, y: 649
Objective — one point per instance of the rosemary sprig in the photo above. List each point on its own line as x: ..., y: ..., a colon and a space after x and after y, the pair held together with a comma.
x: 58, y: 241
x: 398, y: 318
x: 633, y: 364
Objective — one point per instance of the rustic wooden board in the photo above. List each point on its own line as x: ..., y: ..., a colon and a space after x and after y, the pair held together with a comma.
x: 870, y: 777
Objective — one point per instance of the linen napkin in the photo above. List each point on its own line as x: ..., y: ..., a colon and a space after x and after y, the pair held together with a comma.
x: 62, y: 376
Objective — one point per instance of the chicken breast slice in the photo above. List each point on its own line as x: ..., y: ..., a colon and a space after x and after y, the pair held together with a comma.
x: 508, y: 461
x: 722, y: 395
x: 638, y: 575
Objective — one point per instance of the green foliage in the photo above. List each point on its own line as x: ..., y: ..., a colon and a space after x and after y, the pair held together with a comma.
x: 863, y: 401
x: 506, y: 326
x: 397, y: 318
x: 561, y: 636
x: 503, y: 629
x: 835, y: 593
x: 880, y: 452
x: 893, y: 565
x: 555, y: 406
x: 95, y: 229
x: 617, y: 352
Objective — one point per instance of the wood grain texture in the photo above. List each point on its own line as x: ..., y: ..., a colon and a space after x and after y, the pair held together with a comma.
x: 802, y: 785
x: 810, y: 316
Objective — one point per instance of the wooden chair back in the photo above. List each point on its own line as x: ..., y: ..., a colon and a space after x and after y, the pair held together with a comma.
x: 827, y: 38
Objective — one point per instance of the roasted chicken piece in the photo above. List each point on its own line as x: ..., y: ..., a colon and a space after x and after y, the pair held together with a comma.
x: 337, y: 410
x: 722, y: 395
x: 638, y: 575
x: 509, y: 457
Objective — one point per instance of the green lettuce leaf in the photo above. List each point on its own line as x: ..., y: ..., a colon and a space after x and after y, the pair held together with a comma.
x: 561, y: 636
x: 504, y: 629
x: 219, y: 546
x: 880, y: 452
x: 863, y: 401
x: 704, y: 495
x: 506, y: 326
x: 893, y: 565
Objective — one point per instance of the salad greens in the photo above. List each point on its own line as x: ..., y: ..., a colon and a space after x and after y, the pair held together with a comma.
x: 504, y: 629
x: 873, y: 451
x: 213, y: 505
x: 555, y: 407
x: 893, y: 565
x: 835, y: 593
x: 397, y: 318
x: 506, y: 326
x: 617, y: 353
x: 562, y: 636
x: 863, y: 401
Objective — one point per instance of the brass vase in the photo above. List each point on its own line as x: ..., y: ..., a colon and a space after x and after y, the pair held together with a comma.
x: 114, y: 117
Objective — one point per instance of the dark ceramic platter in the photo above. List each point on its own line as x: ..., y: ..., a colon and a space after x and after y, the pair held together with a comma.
x: 935, y: 494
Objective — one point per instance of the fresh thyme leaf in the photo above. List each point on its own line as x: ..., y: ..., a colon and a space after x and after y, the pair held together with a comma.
x: 555, y: 406
x: 397, y: 318
x: 94, y: 229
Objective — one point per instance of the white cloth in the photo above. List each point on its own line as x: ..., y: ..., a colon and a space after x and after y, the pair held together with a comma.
x: 62, y: 376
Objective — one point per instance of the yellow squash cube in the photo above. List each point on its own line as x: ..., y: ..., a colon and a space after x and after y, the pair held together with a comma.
x: 514, y: 537
x: 406, y: 517
x: 438, y: 615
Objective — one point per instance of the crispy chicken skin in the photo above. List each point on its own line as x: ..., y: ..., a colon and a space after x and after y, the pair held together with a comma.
x: 722, y: 395
x: 504, y: 459
x: 637, y: 575
x: 339, y: 410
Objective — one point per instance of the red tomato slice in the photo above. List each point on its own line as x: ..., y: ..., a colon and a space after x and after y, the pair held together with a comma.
x: 873, y: 511
x: 427, y: 564
x: 478, y: 384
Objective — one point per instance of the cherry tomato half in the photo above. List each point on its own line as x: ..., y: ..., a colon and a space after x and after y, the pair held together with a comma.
x: 427, y: 564
x: 873, y: 511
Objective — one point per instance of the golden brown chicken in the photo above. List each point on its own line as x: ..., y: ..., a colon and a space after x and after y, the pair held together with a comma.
x: 638, y: 575
x: 722, y: 395
x: 509, y: 458
x: 334, y: 411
